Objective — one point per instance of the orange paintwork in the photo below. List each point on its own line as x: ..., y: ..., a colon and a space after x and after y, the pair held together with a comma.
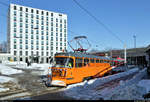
x: 76, y: 75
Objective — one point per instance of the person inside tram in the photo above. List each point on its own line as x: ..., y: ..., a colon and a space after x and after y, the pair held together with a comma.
x: 70, y: 63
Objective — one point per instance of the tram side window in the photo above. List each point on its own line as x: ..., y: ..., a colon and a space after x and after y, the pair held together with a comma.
x: 101, y: 61
x: 86, y: 61
x: 105, y: 61
x: 70, y: 63
x: 79, y: 62
x: 92, y: 60
x: 97, y: 60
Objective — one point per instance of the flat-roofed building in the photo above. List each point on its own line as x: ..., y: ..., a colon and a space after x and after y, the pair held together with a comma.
x: 35, y: 34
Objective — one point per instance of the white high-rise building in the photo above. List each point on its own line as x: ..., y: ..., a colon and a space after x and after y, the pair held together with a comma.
x: 35, y: 34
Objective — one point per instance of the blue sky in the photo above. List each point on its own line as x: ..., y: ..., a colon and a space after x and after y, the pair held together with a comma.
x: 124, y: 17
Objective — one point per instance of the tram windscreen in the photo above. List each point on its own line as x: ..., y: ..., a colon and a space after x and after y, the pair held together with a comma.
x: 63, y: 62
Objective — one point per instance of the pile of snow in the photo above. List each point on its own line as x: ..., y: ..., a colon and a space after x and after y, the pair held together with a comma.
x: 22, y: 65
x: 4, y: 79
x: 145, y: 84
x: 120, y: 68
x: 4, y: 89
x: 132, y: 92
x: 128, y: 90
x: 85, y: 90
x: 8, y: 70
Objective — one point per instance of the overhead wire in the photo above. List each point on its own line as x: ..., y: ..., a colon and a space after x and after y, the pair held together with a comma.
x: 98, y: 21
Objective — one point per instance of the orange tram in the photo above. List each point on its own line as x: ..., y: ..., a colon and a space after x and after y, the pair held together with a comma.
x: 69, y: 68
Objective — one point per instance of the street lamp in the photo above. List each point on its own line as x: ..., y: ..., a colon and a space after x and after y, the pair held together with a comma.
x: 18, y: 49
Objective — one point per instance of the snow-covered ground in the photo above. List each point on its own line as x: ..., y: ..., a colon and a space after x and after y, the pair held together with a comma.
x: 125, y: 90
x: 8, y: 70
x: 42, y: 68
x: 4, y: 79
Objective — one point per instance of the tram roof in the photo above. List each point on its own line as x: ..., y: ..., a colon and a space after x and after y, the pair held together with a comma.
x: 79, y: 54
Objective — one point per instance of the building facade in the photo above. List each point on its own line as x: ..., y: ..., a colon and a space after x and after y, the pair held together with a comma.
x: 35, y: 34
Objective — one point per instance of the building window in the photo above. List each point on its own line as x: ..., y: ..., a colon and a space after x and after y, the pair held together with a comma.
x: 42, y: 42
x: 31, y: 37
x: 47, y: 48
x: 51, y: 33
x: 20, y: 24
x: 20, y: 8
x: 37, y: 42
x: 15, y: 19
x: 61, y: 21
x: 37, y: 12
x: 14, y: 34
x: 15, y: 7
x: 42, y: 54
x: 21, y: 14
x: 42, y: 18
x: 26, y: 30
x: 26, y: 25
x: 42, y: 27
x: 26, y: 41
x: 26, y: 46
x: 47, y: 13
x: 20, y: 46
x: 15, y: 47
x: 42, y: 47
x: 15, y: 24
x: 37, y: 37
x: 46, y: 53
x: 15, y: 30
x: 37, y: 47
x: 20, y: 35
x: 15, y: 41
x: 51, y: 14
x: 32, y: 21
x: 26, y: 53
x: 51, y: 28
x: 51, y: 38
x: 46, y: 42
x: 42, y: 13
x: 37, y: 22
x: 46, y: 37
x: 31, y: 41
x: 26, y: 20
x: 20, y: 41
x: 42, y: 38
x: 51, y: 19
x: 26, y: 9
x: 60, y: 34
x: 51, y: 43
x: 37, y: 16
x: 31, y: 47
x: 15, y: 52
x: 26, y: 15
x: 60, y: 39
x: 60, y: 44
x: 20, y: 30
x: 31, y: 10
x: 42, y: 23
x: 60, y: 48
x: 20, y: 19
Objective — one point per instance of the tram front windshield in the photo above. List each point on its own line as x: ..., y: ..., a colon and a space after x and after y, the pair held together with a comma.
x: 63, y: 62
